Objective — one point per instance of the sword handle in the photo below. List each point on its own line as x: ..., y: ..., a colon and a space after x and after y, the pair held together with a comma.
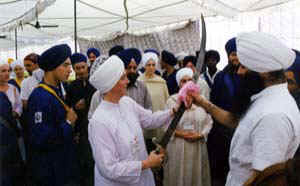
x: 158, y: 147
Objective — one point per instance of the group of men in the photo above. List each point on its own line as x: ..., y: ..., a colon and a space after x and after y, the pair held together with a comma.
x: 255, y: 116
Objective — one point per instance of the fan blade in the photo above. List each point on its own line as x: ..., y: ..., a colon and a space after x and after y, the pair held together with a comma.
x: 48, y: 26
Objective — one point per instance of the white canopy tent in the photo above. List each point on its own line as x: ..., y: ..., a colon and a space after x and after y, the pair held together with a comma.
x: 103, y: 19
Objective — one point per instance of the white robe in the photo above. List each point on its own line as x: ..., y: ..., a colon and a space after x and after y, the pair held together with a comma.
x: 116, y: 137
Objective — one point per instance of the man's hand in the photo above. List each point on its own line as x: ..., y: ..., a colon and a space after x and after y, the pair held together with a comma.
x: 193, y: 137
x: 80, y: 105
x: 153, y: 160
x: 71, y: 116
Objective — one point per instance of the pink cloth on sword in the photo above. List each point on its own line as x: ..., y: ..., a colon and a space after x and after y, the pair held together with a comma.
x: 188, y: 87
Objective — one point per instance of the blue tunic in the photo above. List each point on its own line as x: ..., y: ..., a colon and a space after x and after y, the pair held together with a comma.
x: 171, y: 82
x: 53, y: 159
x: 223, y: 92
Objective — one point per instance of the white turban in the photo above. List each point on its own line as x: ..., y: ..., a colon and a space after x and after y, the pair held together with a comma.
x: 147, y: 56
x: 38, y: 74
x: 262, y: 52
x: 16, y: 63
x: 108, y: 74
x: 184, y: 72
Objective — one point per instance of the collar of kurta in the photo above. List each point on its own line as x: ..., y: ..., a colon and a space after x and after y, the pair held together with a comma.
x: 274, y: 89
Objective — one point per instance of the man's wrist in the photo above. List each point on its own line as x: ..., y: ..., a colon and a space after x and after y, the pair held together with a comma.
x: 145, y: 164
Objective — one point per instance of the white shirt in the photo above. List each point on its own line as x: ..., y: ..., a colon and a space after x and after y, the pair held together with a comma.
x: 27, y: 87
x: 14, y: 98
x: 268, y: 134
x: 211, y: 78
x: 116, y: 138
x: 204, y: 88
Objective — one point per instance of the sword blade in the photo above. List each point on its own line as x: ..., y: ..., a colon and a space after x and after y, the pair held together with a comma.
x: 201, y: 56
x: 172, y: 127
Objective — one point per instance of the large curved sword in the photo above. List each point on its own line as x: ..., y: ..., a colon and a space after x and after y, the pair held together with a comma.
x: 172, y: 127
x: 201, y: 55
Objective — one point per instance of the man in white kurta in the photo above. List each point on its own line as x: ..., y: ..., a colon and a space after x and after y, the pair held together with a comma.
x: 269, y: 133
x: 115, y: 131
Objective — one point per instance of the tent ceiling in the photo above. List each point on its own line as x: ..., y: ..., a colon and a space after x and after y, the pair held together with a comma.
x: 97, y: 18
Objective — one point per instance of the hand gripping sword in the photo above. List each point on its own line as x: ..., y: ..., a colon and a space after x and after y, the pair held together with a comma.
x: 172, y: 127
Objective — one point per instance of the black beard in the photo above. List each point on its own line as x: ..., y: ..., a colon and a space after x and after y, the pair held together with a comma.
x: 132, y: 77
x: 250, y: 84
x: 231, y: 68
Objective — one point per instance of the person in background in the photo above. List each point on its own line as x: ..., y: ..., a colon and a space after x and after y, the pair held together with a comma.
x: 115, y: 49
x: 224, y: 94
x: 180, y: 56
x: 92, y: 54
x: 187, y: 163
x: 17, y: 68
x: 212, y: 58
x: 31, y: 62
x: 190, y: 62
x: 156, y: 86
x: 136, y: 89
x: 168, y: 62
x: 292, y: 75
x: 10, y: 90
x: 115, y: 131
x: 158, y: 90
x: 142, y: 69
x: 51, y: 123
x: 79, y: 95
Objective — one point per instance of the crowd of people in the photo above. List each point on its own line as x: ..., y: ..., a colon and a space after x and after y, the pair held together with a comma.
x: 98, y: 129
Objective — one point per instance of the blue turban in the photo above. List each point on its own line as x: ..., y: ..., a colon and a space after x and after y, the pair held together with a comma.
x: 168, y: 58
x: 152, y: 50
x: 187, y: 59
x: 116, y: 49
x: 95, y: 51
x: 295, y: 68
x: 5, y: 107
x: 212, y: 54
x: 129, y: 53
x: 78, y: 58
x: 54, y: 56
x: 230, y: 46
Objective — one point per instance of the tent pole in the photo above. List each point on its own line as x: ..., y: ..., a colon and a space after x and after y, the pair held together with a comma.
x: 75, y: 25
x: 16, y: 43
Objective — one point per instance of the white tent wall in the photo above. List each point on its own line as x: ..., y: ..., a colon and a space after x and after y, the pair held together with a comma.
x: 181, y: 39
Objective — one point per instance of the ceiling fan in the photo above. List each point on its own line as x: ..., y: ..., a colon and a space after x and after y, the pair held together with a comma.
x: 37, y: 24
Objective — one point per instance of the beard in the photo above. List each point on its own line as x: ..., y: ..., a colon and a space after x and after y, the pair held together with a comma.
x: 132, y: 77
x: 250, y: 84
x: 231, y: 68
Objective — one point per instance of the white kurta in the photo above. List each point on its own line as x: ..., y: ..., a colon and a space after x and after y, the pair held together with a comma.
x: 187, y: 163
x: 27, y: 87
x: 15, y: 99
x: 268, y: 134
x: 204, y: 88
x: 116, y: 137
